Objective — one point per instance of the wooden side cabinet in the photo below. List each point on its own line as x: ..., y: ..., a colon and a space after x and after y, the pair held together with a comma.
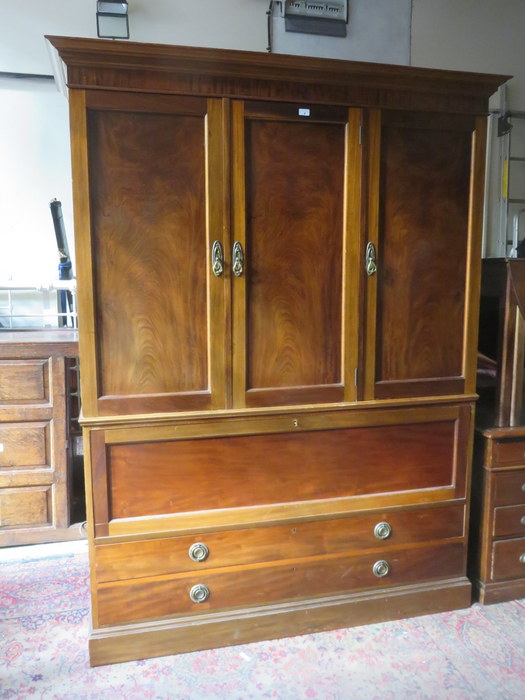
x: 278, y: 272
x: 36, y: 492
x: 497, y: 561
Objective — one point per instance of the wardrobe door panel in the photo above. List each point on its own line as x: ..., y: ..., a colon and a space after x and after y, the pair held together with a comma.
x: 421, y: 283
x: 159, y: 310
x: 292, y: 328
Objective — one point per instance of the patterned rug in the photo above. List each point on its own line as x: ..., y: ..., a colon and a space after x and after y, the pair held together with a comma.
x: 478, y: 653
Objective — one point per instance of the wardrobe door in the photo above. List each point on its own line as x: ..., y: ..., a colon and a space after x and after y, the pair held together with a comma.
x: 422, y: 285
x: 296, y: 195
x: 148, y: 213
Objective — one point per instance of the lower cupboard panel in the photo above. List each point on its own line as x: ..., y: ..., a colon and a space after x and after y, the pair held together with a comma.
x: 148, y: 598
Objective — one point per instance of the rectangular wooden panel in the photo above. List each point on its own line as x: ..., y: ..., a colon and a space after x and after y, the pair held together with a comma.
x: 248, y: 546
x: 24, y: 381
x: 509, y: 520
x: 292, y: 206
x: 229, y: 472
x: 508, y: 452
x: 508, y: 559
x: 422, y: 253
x: 150, y: 209
x: 258, y: 585
x: 25, y: 507
x: 24, y: 445
x: 509, y: 488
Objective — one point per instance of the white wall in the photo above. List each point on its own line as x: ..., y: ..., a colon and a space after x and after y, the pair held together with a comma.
x: 474, y: 35
x: 34, y: 169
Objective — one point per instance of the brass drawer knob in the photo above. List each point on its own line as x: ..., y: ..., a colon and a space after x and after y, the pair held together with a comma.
x: 199, y: 593
x: 198, y: 552
x: 381, y: 568
x: 523, y: 520
x: 523, y: 487
x: 382, y: 531
x: 522, y: 559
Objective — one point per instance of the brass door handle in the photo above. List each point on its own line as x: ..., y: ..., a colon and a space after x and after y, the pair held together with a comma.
x: 370, y: 259
x: 217, y: 259
x: 237, y: 259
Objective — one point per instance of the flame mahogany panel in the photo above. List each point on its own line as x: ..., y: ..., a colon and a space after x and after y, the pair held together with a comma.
x: 295, y: 175
x: 425, y: 176
x: 148, y: 204
x: 228, y: 472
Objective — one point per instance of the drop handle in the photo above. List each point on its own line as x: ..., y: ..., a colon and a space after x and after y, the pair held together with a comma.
x: 217, y: 259
x: 237, y: 259
x: 370, y: 259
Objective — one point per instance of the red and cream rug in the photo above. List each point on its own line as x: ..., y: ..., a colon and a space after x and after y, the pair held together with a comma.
x: 478, y: 653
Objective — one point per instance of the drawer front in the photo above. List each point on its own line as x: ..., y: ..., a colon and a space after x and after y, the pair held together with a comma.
x: 154, y: 478
x: 263, y: 544
x: 508, y: 559
x: 509, y: 488
x: 509, y: 520
x: 24, y: 445
x: 505, y: 453
x: 139, y: 599
x: 25, y: 506
x: 24, y: 381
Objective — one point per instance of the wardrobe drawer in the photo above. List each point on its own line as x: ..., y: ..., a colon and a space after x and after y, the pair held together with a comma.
x: 505, y: 453
x: 508, y: 559
x: 182, y: 476
x: 509, y: 520
x: 262, y: 544
x: 509, y: 488
x: 138, y: 599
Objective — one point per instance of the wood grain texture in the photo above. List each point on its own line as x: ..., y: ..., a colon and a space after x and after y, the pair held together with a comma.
x: 25, y: 445
x: 148, y: 209
x: 165, y: 69
x: 24, y: 381
x: 509, y: 520
x: 259, y: 585
x: 425, y: 176
x: 197, y: 475
x: 35, y: 502
x: 506, y: 562
x: 183, y: 634
x: 508, y: 488
x: 156, y: 557
x: 25, y: 507
x: 294, y: 245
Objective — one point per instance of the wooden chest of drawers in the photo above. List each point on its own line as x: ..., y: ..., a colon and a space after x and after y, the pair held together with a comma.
x: 35, y: 478
x: 498, y: 524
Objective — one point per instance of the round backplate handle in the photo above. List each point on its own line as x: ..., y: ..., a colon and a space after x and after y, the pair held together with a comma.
x: 198, y: 552
x: 199, y: 593
x: 381, y: 568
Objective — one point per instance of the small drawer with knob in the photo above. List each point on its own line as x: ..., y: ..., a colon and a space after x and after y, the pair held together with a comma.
x: 509, y: 488
x: 294, y: 579
x: 166, y: 555
x: 509, y: 521
x: 508, y: 559
x: 506, y: 453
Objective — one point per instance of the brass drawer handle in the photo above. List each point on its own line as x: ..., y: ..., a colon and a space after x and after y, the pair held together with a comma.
x: 381, y: 568
x: 198, y: 552
x: 199, y: 593
x: 237, y: 259
x: 523, y: 487
x: 382, y: 531
x: 523, y: 520
x: 217, y: 259
x: 522, y: 559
